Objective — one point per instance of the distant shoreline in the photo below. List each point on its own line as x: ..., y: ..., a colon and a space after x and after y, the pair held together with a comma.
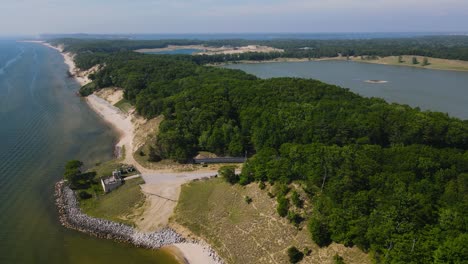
x: 441, y: 64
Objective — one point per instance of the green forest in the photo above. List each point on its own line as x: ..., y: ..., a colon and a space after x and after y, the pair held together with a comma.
x: 388, y: 178
x: 444, y: 47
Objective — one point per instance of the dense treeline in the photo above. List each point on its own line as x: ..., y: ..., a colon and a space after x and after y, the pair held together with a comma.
x: 405, y: 204
x: 446, y: 47
x: 388, y: 178
x: 229, y: 112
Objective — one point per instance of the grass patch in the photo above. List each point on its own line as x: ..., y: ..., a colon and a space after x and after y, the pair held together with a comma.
x: 434, y: 63
x: 106, y: 168
x: 252, y: 232
x: 124, y: 105
x: 117, y: 205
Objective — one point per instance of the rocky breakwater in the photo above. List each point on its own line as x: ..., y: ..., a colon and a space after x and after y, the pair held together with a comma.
x: 72, y: 217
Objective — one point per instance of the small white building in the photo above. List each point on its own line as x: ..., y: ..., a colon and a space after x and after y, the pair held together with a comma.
x: 112, y: 182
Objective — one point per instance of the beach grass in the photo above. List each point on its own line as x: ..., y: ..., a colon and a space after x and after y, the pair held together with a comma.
x: 252, y: 232
x: 406, y: 60
x: 117, y: 205
x: 105, y: 168
x: 124, y: 105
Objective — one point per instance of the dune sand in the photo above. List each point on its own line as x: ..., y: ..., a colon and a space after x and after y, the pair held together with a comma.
x: 162, y: 188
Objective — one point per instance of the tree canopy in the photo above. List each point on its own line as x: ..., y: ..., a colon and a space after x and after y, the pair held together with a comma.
x: 388, y: 178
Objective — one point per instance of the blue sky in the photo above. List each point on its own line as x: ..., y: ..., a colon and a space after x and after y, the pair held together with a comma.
x: 241, y: 16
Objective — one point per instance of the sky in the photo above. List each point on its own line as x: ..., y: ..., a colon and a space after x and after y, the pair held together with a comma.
x: 19, y: 17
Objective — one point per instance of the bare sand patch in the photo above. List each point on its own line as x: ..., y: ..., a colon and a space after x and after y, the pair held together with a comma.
x: 206, y: 50
x: 159, y: 205
x: 112, y: 94
x: 145, y: 130
x: 161, y: 197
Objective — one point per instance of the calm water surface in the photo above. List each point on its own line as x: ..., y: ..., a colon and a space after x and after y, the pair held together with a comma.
x: 42, y: 125
x: 444, y: 91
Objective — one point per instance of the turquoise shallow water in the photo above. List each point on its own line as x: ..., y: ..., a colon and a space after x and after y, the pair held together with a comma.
x: 42, y: 125
x: 444, y: 91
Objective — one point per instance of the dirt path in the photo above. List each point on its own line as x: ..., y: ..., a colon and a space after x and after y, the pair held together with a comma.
x: 158, y: 208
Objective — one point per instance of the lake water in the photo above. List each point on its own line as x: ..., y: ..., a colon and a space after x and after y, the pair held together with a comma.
x: 177, y: 51
x: 444, y: 91
x: 42, y: 125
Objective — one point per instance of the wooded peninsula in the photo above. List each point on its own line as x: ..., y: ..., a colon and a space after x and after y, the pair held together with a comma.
x: 388, y: 178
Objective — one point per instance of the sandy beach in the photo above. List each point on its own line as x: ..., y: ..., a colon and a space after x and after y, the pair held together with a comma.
x: 162, y: 187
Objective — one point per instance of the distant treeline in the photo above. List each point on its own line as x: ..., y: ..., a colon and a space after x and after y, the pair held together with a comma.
x: 445, y: 47
x: 388, y: 178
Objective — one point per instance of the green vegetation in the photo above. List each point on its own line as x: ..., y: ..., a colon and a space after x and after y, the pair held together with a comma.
x: 295, y: 255
x: 106, y: 168
x: 445, y: 47
x: 124, y: 105
x: 153, y: 156
x: 338, y: 259
x: 399, y: 202
x: 433, y: 63
x: 228, y: 112
x: 415, y: 60
x: 117, y: 205
x: 387, y: 178
x: 248, y: 233
x: 77, y: 179
x: 283, y: 206
x: 425, y: 61
x: 228, y: 173
x: 296, y: 199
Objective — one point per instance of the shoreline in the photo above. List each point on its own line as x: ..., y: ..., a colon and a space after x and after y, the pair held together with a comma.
x: 192, y: 251
x: 358, y: 60
x: 71, y: 216
x: 187, y: 251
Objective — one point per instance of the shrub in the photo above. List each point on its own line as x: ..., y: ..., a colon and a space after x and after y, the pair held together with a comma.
x: 84, y: 195
x: 319, y: 231
x: 283, y: 206
x: 229, y: 174
x: 281, y: 189
x: 153, y: 156
x: 338, y: 259
x: 295, y: 218
x: 262, y: 185
x: 295, y: 255
x: 248, y: 199
x: 296, y: 200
